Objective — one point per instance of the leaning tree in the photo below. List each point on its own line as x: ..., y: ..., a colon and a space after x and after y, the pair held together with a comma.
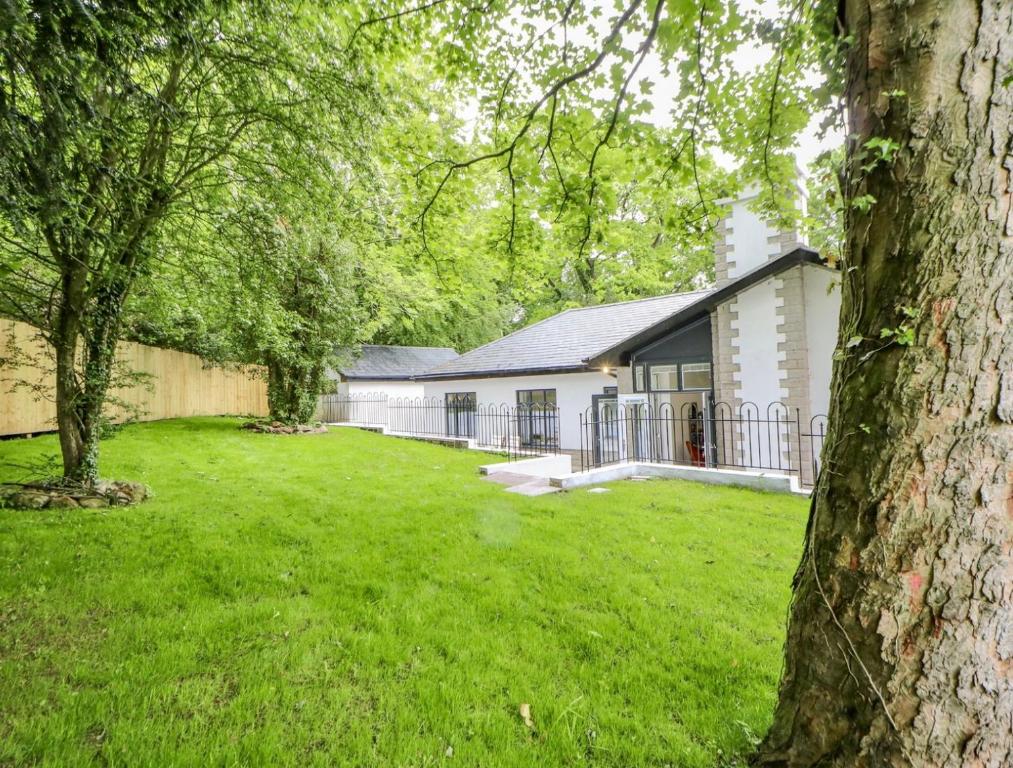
x: 900, y: 638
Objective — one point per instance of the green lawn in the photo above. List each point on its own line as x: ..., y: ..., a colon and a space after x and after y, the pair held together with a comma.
x: 353, y: 599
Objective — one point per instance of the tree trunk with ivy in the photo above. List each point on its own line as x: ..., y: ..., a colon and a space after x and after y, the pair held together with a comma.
x: 84, y: 337
x: 292, y: 391
x: 900, y: 641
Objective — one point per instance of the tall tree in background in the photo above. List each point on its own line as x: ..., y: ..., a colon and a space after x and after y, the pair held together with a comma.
x: 900, y: 647
x: 298, y: 294
x: 111, y: 116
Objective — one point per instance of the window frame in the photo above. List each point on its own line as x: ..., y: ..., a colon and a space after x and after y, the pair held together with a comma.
x: 650, y: 375
x: 679, y: 365
x: 640, y: 370
x: 529, y: 404
x: 682, y: 376
x: 470, y: 397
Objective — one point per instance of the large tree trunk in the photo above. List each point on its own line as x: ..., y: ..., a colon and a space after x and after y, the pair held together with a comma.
x: 65, y: 340
x: 900, y: 641
x: 85, y: 349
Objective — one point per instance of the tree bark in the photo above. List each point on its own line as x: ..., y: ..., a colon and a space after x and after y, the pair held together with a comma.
x: 900, y: 640
x: 85, y: 349
x: 65, y: 342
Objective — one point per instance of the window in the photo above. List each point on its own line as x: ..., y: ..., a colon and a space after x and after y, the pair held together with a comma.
x: 638, y: 378
x: 536, y: 417
x: 664, y: 378
x: 536, y: 397
x: 464, y: 401
x: 460, y: 407
x: 696, y: 375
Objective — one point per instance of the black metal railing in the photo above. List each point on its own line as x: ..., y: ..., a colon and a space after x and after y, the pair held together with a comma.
x: 366, y: 410
x: 746, y: 437
x: 518, y: 431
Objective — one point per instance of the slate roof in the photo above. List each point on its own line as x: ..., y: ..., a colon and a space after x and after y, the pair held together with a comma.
x: 564, y: 341
x: 377, y: 361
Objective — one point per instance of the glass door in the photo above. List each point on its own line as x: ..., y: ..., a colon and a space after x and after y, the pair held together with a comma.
x: 607, y: 430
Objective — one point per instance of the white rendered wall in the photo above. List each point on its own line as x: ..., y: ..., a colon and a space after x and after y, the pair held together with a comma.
x: 822, y: 312
x: 759, y: 378
x: 748, y: 239
x: 389, y: 388
x: 573, y: 395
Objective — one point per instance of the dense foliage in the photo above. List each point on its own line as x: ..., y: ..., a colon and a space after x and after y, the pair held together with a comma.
x: 277, y: 182
x: 116, y: 118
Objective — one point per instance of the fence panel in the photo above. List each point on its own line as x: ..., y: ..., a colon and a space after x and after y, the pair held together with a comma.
x: 745, y: 437
x: 367, y: 410
x: 176, y: 384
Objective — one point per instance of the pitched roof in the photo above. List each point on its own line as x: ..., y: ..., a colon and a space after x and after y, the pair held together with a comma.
x: 378, y: 361
x: 564, y: 341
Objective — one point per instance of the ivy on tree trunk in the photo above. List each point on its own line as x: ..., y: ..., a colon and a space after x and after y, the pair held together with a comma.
x: 292, y: 391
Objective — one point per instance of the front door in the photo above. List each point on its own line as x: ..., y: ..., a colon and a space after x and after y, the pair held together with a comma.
x: 636, y: 434
x: 607, y: 429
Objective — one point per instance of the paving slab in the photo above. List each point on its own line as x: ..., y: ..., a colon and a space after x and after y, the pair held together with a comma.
x: 525, y: 485
x: 508, y: 478
x: 538, y: 487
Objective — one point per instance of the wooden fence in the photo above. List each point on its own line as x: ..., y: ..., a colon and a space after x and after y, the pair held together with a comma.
x: 175, y: 384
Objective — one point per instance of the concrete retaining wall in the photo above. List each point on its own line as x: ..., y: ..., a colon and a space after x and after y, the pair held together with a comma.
x: 760, y: 481
x: 543, y: 466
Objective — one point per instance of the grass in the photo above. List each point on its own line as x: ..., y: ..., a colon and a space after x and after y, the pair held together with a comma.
x: 353, y: 599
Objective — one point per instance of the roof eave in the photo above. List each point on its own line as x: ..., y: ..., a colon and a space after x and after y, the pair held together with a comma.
x: 501, y: 373
x: 377, y: 377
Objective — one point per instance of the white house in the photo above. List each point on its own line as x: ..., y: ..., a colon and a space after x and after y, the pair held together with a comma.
x: 733, y: 375
x: 762, y: 337
x: 548, y: 362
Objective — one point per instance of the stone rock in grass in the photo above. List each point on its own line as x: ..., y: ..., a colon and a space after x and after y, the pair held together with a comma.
x: 136, y: 492
x: 62, y: 501
x: 278, y: 428
x: 120, y: 493
x: 29, y: 500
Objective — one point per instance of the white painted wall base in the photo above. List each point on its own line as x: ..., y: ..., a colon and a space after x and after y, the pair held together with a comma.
x: 760, y: 481
x: 543, y: 466
x: 536, y: 466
